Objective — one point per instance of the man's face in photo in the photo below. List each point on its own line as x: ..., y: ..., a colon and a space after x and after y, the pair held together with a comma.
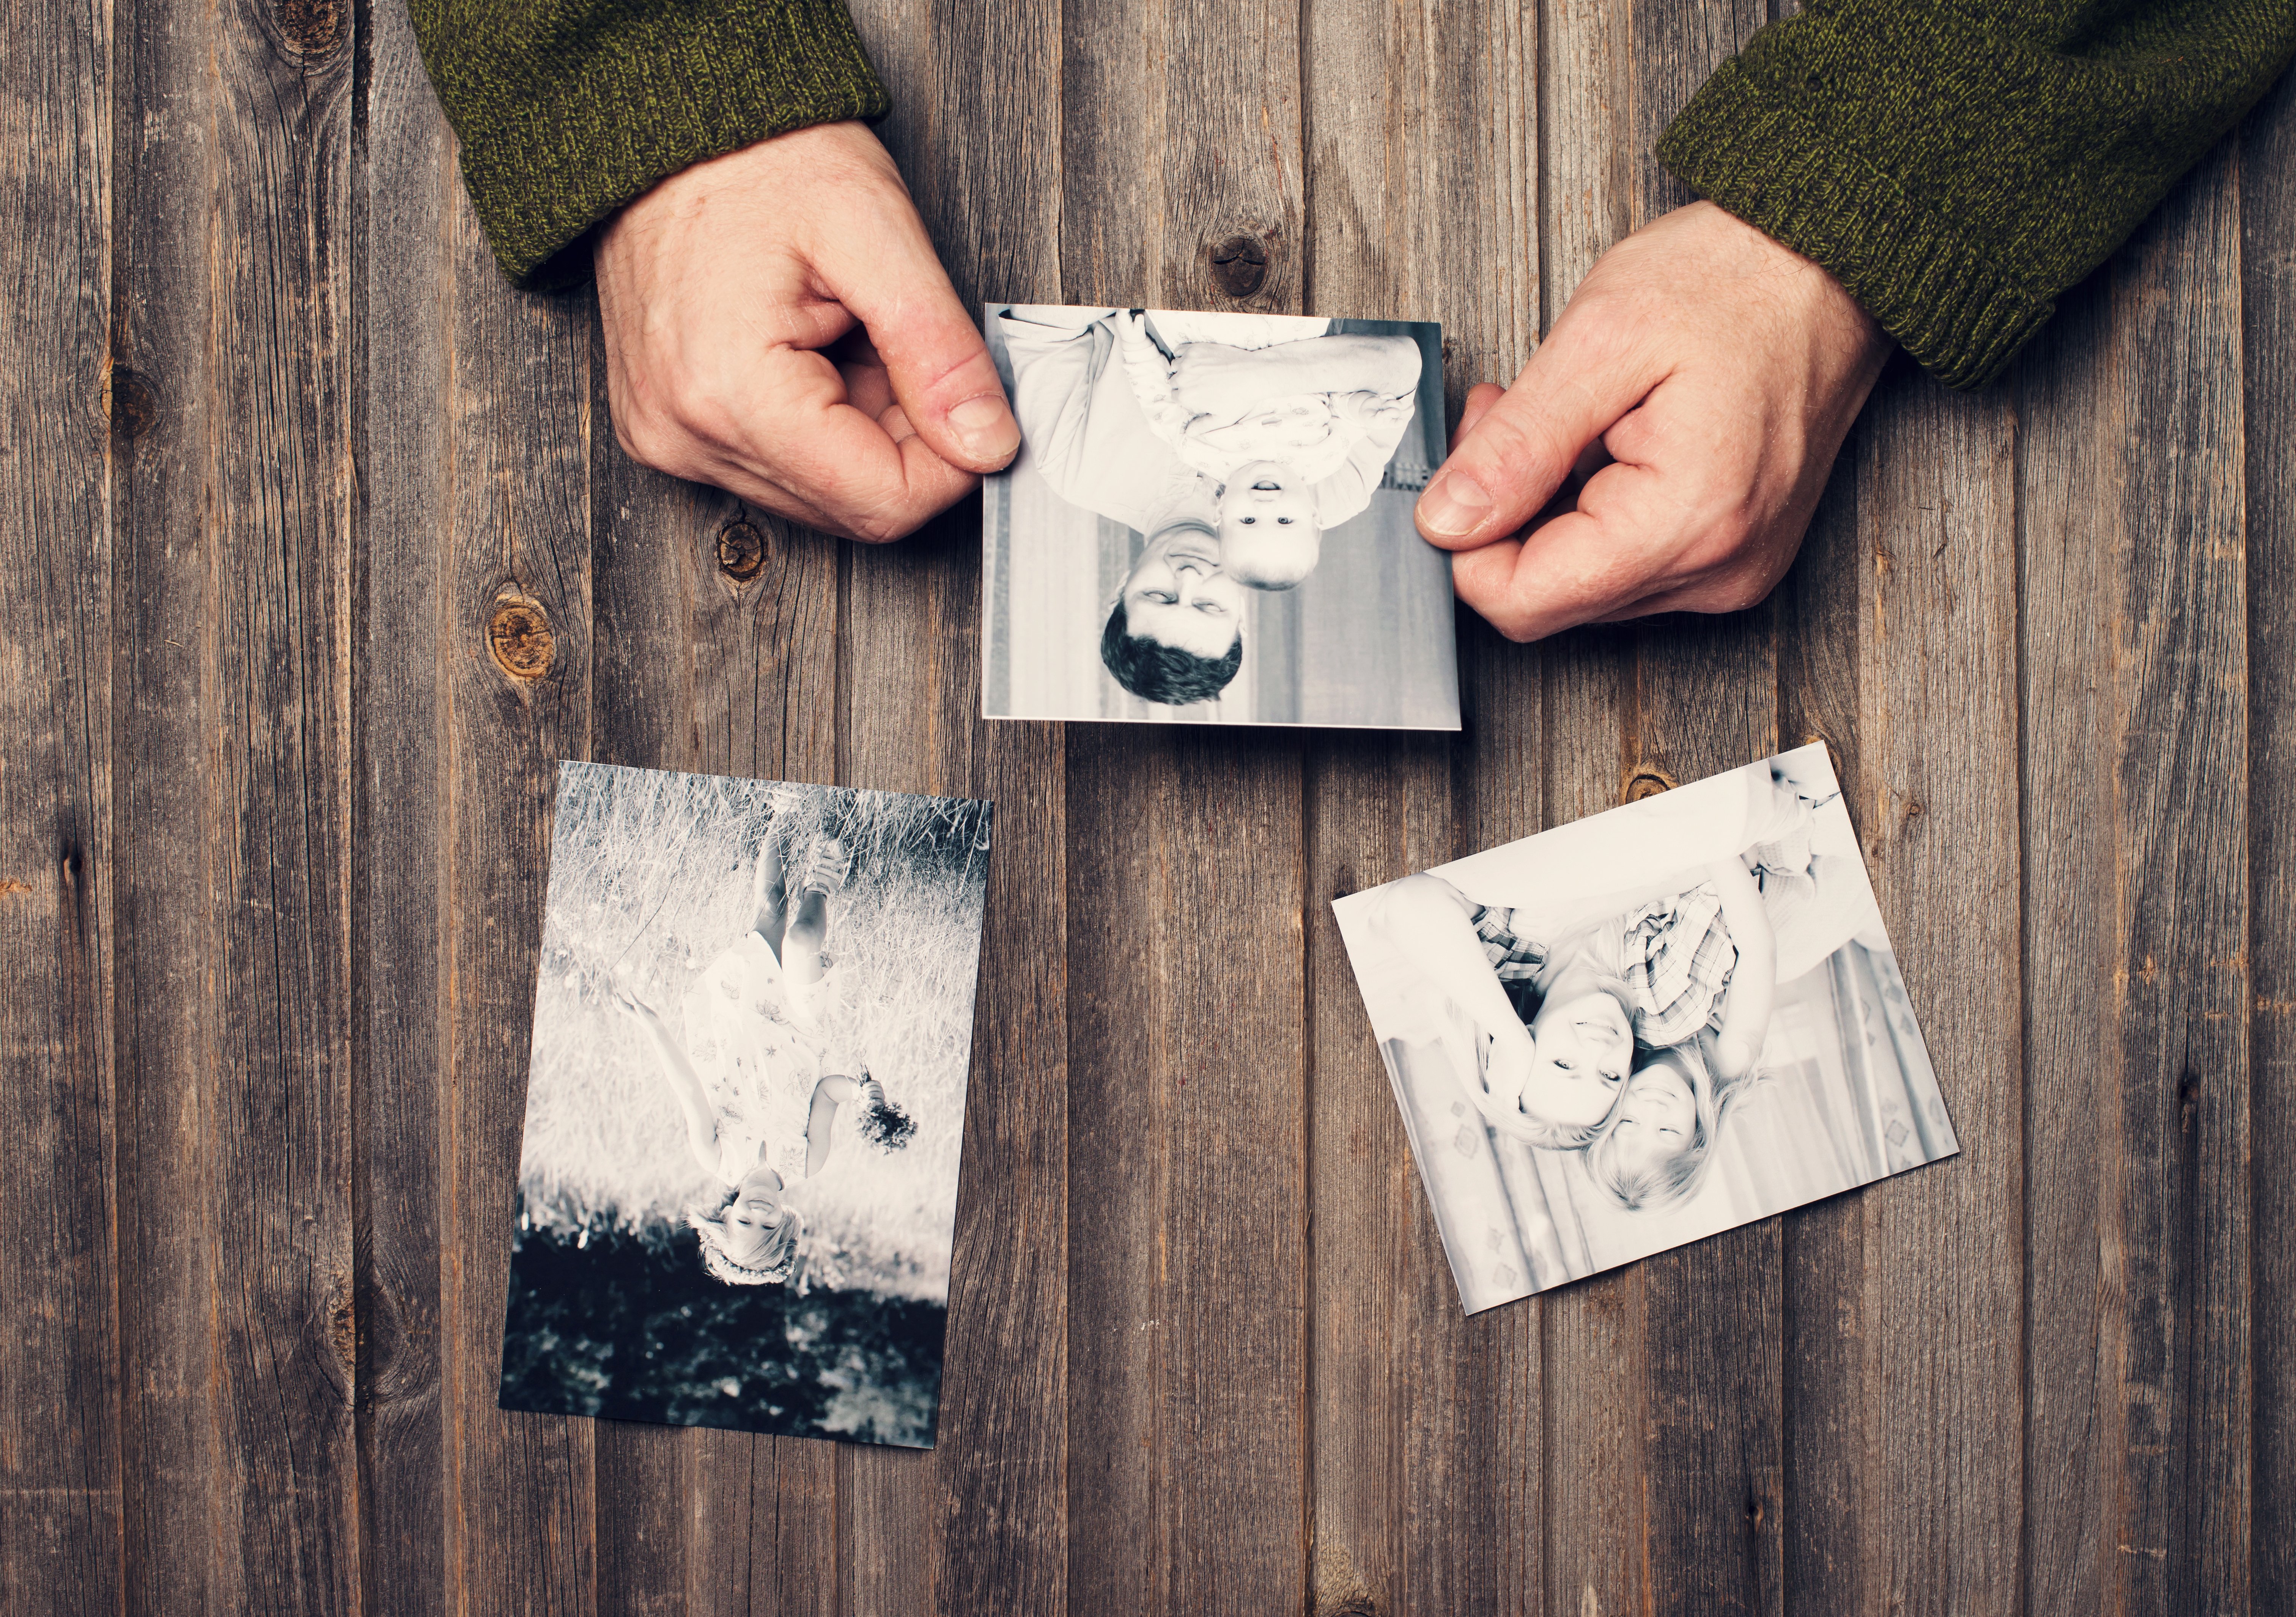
x: 1177, y: 596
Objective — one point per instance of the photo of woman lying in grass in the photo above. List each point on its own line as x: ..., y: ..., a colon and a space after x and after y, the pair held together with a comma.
x: 745, y: 1104
x: 1645, y: 1027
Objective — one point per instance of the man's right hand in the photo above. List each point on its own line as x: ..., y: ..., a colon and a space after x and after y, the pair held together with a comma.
x: 777, y: 324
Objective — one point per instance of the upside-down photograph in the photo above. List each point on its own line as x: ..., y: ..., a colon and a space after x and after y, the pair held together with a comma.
x: 1209, y: 521
x: 737, y: 1190
x: 1644, y: 1028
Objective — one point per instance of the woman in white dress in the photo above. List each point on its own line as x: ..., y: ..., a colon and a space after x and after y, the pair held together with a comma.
x: 747, y: 1075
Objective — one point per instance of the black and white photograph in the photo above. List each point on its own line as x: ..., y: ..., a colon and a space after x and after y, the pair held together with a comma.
x: 752, y: 1027
x: 1644, y: 1028
x: 1209, y: 521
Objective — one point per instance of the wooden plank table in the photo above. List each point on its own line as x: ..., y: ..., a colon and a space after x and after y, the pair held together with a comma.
x: 318, y: 550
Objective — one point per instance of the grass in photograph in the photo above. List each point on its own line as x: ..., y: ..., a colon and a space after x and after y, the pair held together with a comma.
x: 650, y: 878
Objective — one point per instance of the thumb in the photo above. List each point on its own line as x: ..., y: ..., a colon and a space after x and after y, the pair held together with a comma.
x: 934, y: 355
x: 1481, y: 398
x: 1510, y: 457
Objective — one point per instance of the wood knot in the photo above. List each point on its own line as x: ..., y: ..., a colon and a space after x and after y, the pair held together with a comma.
x: 741, y: 552
x: 342, y: 1332
x: 1644, y: 783
x: 312, y: 28
x: 521, y: 638
x: 130, y: 402
x: 1240, y: 265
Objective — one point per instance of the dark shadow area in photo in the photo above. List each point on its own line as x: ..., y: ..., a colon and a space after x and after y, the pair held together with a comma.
x: 621, y: 1326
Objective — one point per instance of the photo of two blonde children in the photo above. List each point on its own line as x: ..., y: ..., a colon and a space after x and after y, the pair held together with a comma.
x: 1646, y: 1028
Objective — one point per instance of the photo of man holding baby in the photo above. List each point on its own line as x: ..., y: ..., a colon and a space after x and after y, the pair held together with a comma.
x: 1209, y: 522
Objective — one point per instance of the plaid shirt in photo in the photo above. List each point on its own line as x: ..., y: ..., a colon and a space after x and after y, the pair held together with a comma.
x: 1677, y: 956
x: 1513, y: 959
x: 1674, y: 954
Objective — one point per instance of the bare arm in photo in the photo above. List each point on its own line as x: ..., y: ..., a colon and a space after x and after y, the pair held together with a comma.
x: 1084, y: 432
x: 1426, y: 921
x: 1223, y: 382
x: 1576, y: 874
x: 834, y: 1089
x: 1753, y: 980
x: 677, y: 1072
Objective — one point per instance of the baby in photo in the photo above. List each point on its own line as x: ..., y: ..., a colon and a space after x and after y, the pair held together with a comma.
x: 1231, y: 443
x: 1562, y: 1009
x: 1291, y: 427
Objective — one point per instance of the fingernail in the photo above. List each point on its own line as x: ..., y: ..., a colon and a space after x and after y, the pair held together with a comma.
x: 985, y: 428
x: 1454, y: 505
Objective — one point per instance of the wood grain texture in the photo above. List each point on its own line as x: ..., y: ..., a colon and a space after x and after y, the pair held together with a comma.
x: 1425, y: 1460
x: 982, y: 1522
x: 2137, y: 827
x: 1188, y: 1353
x: 403, y: 897
x: 1590, y: 1333
x: 721, y: 675
x: 2267, y: 147
x: 1939, y: 1310
x: 478, y: 431
x: 60, y: 1479
x: 1706, y: 699
x: 521, y: 1488
x: 1822, y: 1393
x: 234, y: 1186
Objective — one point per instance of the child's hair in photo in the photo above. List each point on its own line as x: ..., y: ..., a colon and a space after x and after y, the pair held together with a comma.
x: 1527, y: 996
x: 1533, y: 1131
x: 770, y: 1263
x: 1654, y: 1186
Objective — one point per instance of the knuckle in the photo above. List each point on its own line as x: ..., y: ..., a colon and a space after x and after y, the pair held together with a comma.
x: 705, y: 411
x: 643, y: 437
x: 1514, y: 448
x: 878, y: 527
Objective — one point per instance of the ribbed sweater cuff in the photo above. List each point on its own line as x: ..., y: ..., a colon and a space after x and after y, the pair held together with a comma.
x: 598, y: 115
x: 1938, y: 294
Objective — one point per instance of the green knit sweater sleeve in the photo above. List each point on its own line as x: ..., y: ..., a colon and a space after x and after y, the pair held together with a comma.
x: 567, y: 109
x: 1958, y: 165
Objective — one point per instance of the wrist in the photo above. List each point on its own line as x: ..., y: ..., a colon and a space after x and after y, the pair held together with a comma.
x: 1838, y: 321
x: 762, y: 174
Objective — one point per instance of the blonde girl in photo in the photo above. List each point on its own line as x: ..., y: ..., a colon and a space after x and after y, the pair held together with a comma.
x: 759, y: 1112
x: 1660, y: 1144
x: 1702, y: 971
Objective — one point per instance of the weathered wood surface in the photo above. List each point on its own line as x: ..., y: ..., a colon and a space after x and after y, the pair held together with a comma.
x: 319, y: 552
